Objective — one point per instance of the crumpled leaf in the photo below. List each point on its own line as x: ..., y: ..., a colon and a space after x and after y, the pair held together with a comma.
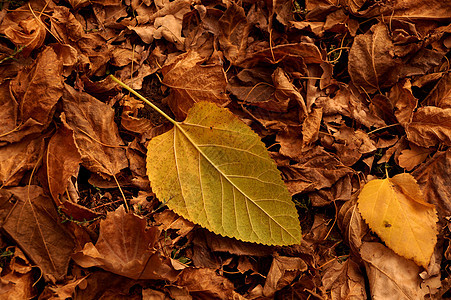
x: 430, y: 126
x: 29, y: 33
x: 297, y: 54
x: 410, y: 158
x: 234, y: 29
x: 62, y: 160
x: 310, y: 174
x: 214, y: 171
x: 403, y: 102
x: 126, y: 248
x: 372, y: 60
x: 283, y: 271
x: 204, y: 283
x: 346, y: 103
x: 344, y: 280
x: 96, y: 133
x: 17, y: 158
x: 191, y: 82
x: 394, y: 208
x: 435, y: 180
x: 43, y: 78
x: 440, y: 95
x: 34, y: 225
x: 391, y: 276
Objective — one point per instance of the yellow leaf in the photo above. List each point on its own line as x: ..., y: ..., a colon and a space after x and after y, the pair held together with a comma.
x: 395, y: 210
x: 213, y: 170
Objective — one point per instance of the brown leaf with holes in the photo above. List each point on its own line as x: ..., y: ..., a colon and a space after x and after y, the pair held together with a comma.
x: 34, y: 225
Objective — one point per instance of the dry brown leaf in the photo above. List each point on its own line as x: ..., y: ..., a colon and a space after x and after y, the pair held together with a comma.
x: 410, y: 158
x: 34, y: 225
x: 234, y: 30
x: 253, y: 86
x: 350, y: 145
x: 92, y: 48
x: 341, y: 190
x: 403, y: 102
x: 96, y: 133
x: 390, y: 275
x: 317, y: 169
x: 440, y: 95
x: 29, y: 33
x: 344, y: 280
x: 352, y: 225
x: 17, y: 158
x: 346, y: 103
x: 430, y: 126
x: 8, y: 110
x: 372, y: 60
x: 43, y: 78
x: 311, y: 125
x: 62, y: 160
x: 292, y: 56
x: 126, y: 248
x: 205, y: 284
x: 283, y: 271
x: 435, y: 179
x: 191, y: 82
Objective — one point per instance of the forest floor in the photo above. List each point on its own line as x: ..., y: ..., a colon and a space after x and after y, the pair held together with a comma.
x: 342, y: 93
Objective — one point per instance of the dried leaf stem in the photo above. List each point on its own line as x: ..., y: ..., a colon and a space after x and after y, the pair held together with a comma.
x: 143, y: 99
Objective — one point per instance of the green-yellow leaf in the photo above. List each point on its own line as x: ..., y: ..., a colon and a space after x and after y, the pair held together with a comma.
x: 395, y: 210
x: 213, y: 170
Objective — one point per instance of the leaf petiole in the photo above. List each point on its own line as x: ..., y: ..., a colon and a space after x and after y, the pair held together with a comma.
x: 143, y: 99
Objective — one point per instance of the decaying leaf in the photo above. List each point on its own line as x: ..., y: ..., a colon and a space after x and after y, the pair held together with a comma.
x: 96, y: 133
x: 33, y: 223
x: 126, y: 248
x: 344, y: 280
x: 372, y: 60
x: 191, y: 82
x: 282, y: 272
x: 395, y: 210
x: 62, y: 160
x: 17, y: 158
x: 43, y: 78
x: 410, y: 158
x: 435, y: 180
x: 214, y: 171
x: 29, y: 33
x: 390, y: 276
x: 430, y: 126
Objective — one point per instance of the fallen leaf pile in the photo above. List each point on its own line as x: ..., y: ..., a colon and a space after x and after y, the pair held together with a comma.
x: 330, y: 116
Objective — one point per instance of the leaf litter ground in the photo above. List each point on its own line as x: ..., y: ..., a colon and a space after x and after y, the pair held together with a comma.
x: 340, y: 93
